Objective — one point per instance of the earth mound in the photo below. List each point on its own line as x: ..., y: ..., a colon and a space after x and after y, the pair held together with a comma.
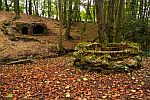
x: 20, y: 48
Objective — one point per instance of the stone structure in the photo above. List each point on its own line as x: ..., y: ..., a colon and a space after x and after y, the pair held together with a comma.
x: 114, y: 56
x: 31, y: 28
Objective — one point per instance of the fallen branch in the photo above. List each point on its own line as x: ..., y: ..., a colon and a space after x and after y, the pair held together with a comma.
x: 21, y: 61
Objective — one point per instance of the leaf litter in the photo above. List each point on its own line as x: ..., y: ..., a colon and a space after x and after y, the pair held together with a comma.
x: 55, y: 79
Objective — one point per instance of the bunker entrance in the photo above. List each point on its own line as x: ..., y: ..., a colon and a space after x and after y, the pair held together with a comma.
x: 38, y: 29
x: 24, y: 30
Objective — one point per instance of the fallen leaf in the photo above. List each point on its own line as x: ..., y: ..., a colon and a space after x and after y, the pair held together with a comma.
x: 9, y: 96
x: 133, y: 90
x: 68, y: 95
x: 67, y: 87
x: 85, y: 79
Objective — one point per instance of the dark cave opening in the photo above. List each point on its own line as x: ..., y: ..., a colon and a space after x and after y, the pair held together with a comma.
x: 38, y: 29
x: 24, y: 30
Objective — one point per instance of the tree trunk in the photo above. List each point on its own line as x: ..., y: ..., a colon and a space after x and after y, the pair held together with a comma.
x: 49, y: 8
x: 133, y: 9
x: 67, y: 33
x: 145, y: 8
x: 36, y: 8
x: 78, y: 14
x: 60, y: 45
x: 75, y: 11
x: 94, y: 11
x: 0, y: 5
x: 88, y: 16
x: 88, y: 13
x: 30, y: 7
x: 141, y: 9
x: 65, y: 13
x: 110, y: 20
x: 102, y: 37
x: 119, y: 21
x: 43, y: 8
x: 26, y: 6
x: 16, y: 9
x: 56, y: 9
x: 6, y: 4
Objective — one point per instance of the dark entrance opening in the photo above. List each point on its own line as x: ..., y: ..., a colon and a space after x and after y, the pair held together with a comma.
x: 38, y: 29
x: 24, y: 30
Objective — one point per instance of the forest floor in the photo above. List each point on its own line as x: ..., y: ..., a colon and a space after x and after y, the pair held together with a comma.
x: 57, y: 78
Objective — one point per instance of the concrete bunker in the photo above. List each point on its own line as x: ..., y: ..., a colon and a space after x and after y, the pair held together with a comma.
x: 31, y: 28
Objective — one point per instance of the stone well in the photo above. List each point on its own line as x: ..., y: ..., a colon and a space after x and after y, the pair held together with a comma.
x: 114, y: 56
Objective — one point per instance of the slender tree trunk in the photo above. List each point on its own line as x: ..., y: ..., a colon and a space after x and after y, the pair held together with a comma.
x: 145, y: 8
x: 26, y: 6
x: 56, y: 4
x: 133, y: 8
x: 102, y: 37
x: 65, y: 13
x: 119, y: 22
x: 6, y: 4
x: 78, y: 14
x: 141, y: 9
x: 88, y: 16
x: 149, y: 9
x: 36, y: 8
x: 43, y: 8
x: 30, y: 7
x: 110, y: 20
x: 147, y: 24
x: 94, y: 11
x: 116, y: 8
x: 75, y: 11
x: 0, y: 5
x: 49, y: 8
x: 105, y: 12
x: 85, y: 22
x: 60, y: 44
x: 88, y: 13
x: 67, y: 33
x: 16, y: 9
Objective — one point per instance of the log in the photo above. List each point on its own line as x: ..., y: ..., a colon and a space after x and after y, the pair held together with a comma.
x: 20, y: 61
